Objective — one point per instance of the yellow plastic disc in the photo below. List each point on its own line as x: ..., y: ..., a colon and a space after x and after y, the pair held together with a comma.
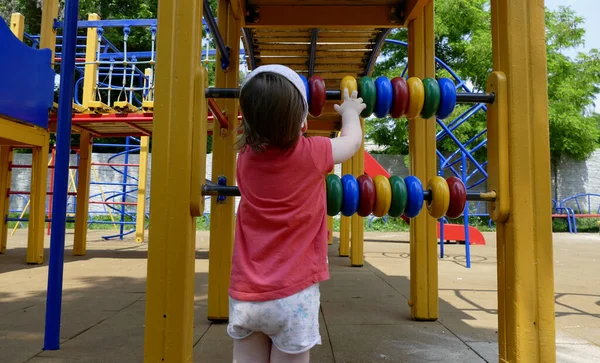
x: 440, y: 197
x: 383, y: 196
x: 350, y: 83
x: 416, y: 97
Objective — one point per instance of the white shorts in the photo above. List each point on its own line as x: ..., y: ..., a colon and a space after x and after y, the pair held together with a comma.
x: 292, y: 322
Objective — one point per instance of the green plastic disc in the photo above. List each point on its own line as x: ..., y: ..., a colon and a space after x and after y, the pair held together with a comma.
x: 334, y: 194
x: 368, y: 92
x: 432, y: 98
x: 399, y: 196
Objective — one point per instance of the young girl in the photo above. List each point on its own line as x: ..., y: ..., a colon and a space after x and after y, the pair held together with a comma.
x: 280, y: 249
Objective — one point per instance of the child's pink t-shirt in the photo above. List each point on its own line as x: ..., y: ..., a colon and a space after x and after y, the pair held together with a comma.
x: 281, y: 227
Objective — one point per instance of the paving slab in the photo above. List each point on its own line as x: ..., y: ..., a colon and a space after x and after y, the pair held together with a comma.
x: 398, y: 343
x: 119, y: 337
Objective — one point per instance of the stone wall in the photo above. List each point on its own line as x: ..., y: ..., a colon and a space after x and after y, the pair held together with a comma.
x: 570, y: 177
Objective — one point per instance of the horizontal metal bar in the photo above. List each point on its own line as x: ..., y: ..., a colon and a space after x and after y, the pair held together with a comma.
x: 473, y: 196
x: 483, y: 196
x: 109, y: 23
x: 463, y: 97
x: 23, y: 166
x: 129, y: 146
x: 108, y: 203
x: 115, y: 164
x: 27, y: 220
x: 108, y: 222
x: 114, y: 183
x: 213, y: 189
x: 21, y: 192
x: 220, y: 190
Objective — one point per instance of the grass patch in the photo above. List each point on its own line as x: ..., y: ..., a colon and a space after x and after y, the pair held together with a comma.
x: 389, y: 224
x: 584, y: 225
x: 201, y: 222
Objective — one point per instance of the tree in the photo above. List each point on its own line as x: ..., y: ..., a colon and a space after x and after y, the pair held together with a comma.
x: 463, y: 40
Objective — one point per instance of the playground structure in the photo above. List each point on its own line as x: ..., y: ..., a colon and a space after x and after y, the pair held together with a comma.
x: 122, y: 93
x: 524, y: 233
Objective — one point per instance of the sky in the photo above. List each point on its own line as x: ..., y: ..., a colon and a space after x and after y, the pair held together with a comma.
x: 585, y: 9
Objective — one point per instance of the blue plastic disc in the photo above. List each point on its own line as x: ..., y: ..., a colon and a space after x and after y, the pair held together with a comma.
x: 305, y: 81
x: 384, y: 96
x: 414, y: 202
x: 447, y: 98
x: 350, y: 193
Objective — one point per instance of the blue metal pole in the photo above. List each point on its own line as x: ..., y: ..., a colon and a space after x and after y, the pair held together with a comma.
x: 466, y: 214
x: 61, y: 181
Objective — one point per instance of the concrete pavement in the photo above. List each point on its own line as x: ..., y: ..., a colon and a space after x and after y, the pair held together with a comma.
x: 365, y: 315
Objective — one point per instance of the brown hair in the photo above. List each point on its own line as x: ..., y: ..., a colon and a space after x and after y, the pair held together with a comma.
x: 272, y: 110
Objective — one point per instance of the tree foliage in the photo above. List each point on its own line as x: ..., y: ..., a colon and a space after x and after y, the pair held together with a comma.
x: 463, y: 41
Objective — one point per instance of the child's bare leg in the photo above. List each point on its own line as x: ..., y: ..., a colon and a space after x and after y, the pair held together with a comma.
x: 256, y: 348
x: 277, y: 356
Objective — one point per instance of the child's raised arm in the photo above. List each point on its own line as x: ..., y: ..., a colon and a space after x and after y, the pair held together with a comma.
x: 351, y: 137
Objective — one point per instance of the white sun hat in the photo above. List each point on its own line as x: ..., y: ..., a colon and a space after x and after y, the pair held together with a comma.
x: 286, y: 72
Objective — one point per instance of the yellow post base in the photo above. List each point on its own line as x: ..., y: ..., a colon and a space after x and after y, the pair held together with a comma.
x: 83, y: 194
x: 169, y: 326
x: 422, y: 146
x: 330, y: 228
x: 37, y: 209
x: 5, y: 181
x: 526, y: 322
x: 357, y: 258
x: 224, y: 158
x: 140, y: 220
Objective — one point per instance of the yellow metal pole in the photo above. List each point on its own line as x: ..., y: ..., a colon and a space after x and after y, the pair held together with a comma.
x: 345, y: 221
x: 148, y: 102
x: 526, y: 325
x: 330, y: 221
x: 330, y: 228
x: 141, y: 195
x: 91, y: 68
x: 422, y: 146
x: 17, y: 25
x: 5, y: 181
x: 169, y: 325
x: 83, y: 194
x: 37, y: 210
x: 47, y: 32
x: 224, y: 158
x: 358, y: 226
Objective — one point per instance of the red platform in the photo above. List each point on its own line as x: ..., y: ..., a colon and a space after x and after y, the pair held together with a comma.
x: 452, y: 232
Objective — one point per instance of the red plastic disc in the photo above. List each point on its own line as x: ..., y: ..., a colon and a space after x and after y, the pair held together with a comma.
x: 399, y: 97
x: 458, y: 197
x: 366, y: 195
x: 317, y: 96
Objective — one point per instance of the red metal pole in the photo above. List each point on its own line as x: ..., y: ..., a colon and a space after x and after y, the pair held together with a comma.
x: 219, y: 115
